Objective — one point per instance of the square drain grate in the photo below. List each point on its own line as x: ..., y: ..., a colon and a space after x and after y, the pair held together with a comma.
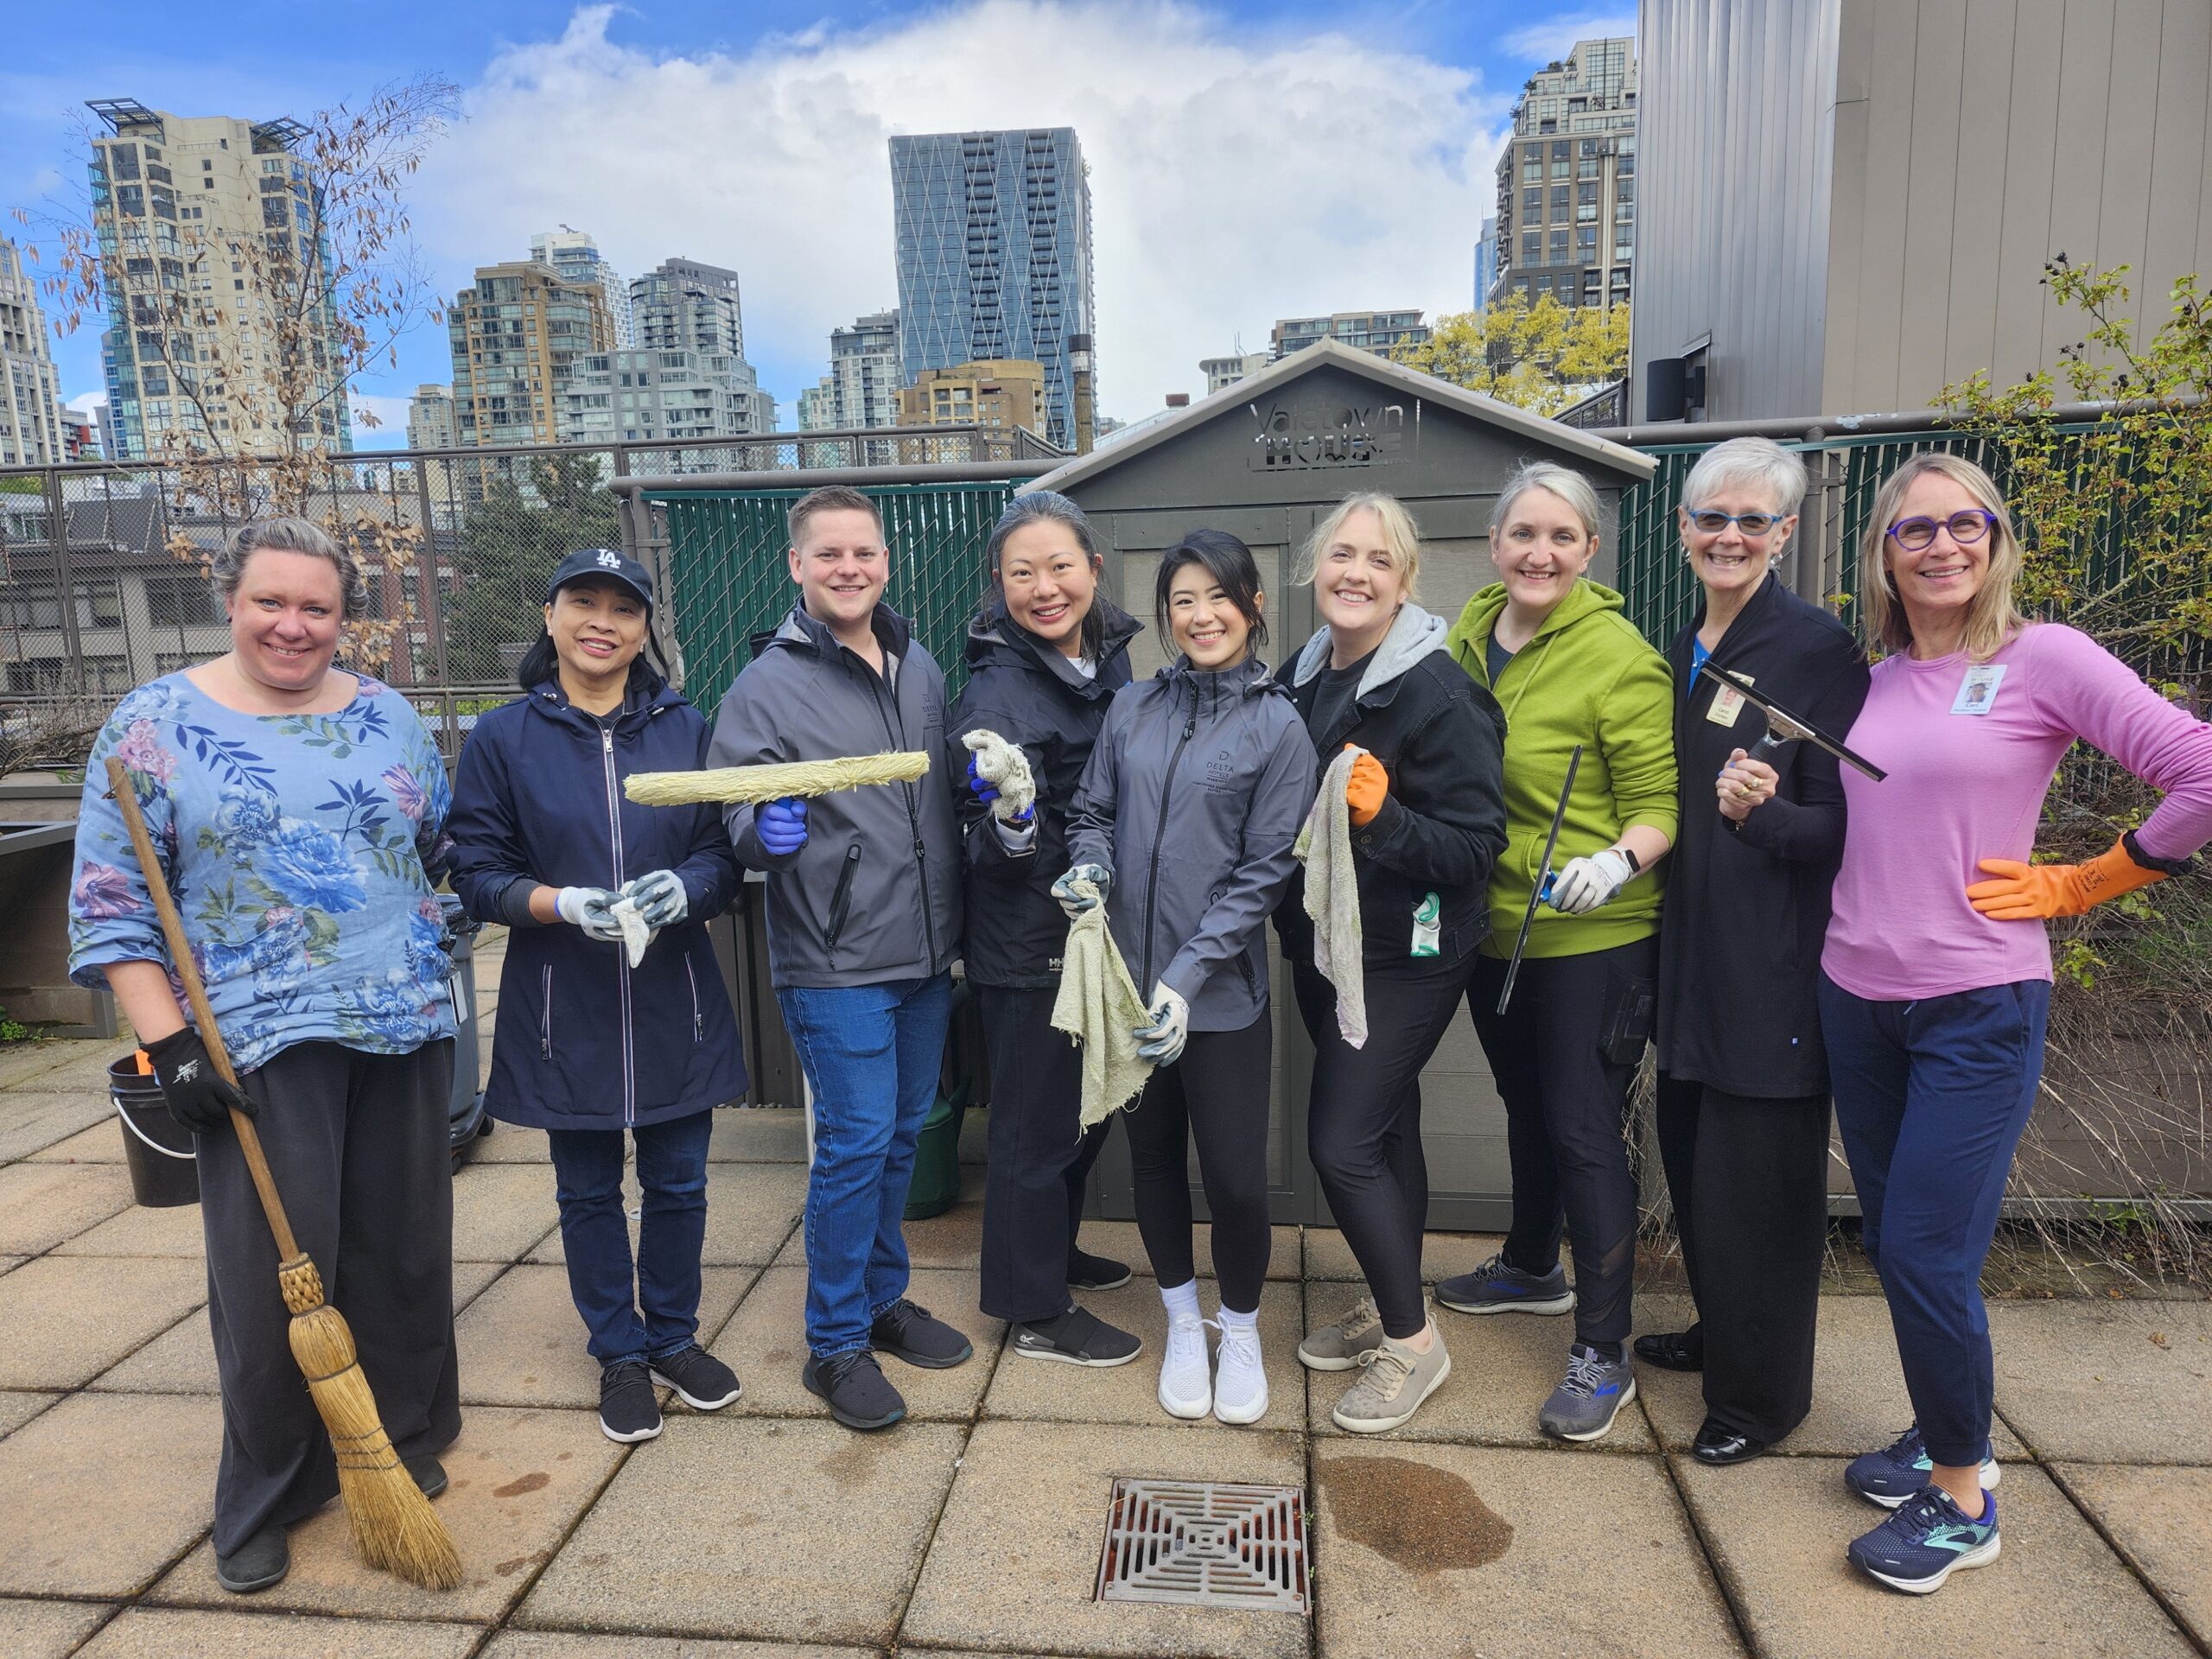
x: 1206, y: 1544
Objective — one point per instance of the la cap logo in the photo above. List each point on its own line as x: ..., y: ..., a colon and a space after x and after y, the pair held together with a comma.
x: 610, y: 561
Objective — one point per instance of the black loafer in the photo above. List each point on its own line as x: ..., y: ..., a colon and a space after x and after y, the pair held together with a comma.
x: 1077, y: 1337
x: 1673, y: 1350
x: 908, y: 1331
x: 430, y: 1474
x: 1720, y: 1445
x: 261, y: 1561
x: 1088, y: 1272
x: 858, y: 1394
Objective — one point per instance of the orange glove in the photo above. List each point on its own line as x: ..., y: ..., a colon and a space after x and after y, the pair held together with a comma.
x: 1366, y: 789
x: 2026, y: 892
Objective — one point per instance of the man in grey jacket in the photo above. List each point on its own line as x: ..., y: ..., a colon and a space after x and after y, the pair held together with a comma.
x: 863, y: 924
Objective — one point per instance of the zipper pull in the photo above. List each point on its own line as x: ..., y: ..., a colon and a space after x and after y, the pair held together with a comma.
x: 605, y: 741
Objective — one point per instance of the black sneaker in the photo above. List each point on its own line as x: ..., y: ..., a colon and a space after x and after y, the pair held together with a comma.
x: 628, y: 1412
x: 701, y: 1381
x: 261, y: 1561
x: 905, y: 1331
x: 430, y: 1474
x: 858, y: 1394
x: 1088, y: 1272
x: 1077, y: 1338
x: 1674, y: 1350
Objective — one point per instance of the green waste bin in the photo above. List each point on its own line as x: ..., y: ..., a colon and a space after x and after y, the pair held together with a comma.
x: 935, y: 1186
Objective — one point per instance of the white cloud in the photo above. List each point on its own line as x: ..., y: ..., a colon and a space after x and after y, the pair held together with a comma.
x: 1553, y: 38
x: 1235, y: 178
x: 390, y: 431
x: 88, y: 404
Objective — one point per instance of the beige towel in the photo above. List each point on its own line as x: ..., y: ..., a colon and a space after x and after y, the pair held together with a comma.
x: 773, y: 783
x: 1003, y: 764
x: 636, y: 936
x: 1098, y: 1005
x: 1332, y: 897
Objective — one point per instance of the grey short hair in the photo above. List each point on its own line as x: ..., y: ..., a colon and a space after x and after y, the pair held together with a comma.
x: 227, y: 567
x: 1758, y: 464
x: 1564, y: 482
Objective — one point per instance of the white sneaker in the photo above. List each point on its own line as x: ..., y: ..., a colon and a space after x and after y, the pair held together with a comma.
x: 1186, y: 1383
x: 1240, y: 1392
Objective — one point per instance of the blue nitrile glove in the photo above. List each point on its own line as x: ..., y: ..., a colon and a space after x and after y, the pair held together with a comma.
x: 1162, y: 1042
x: 987, y: 792
x: 1074, y: 902
x: 782, y: 825
x: 660, y: 898
x: 590, y: 909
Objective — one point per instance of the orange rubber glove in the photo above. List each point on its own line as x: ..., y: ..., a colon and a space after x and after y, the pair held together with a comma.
x: 2029, y: 892
x: 1366, y: 789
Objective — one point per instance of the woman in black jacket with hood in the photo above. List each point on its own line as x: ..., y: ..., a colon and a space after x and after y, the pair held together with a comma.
x: 1743, y: 1117
x: 588, y: 1046
x: 1045, y: 658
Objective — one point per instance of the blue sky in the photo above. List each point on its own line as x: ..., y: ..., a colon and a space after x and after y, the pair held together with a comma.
x: 1248, y: 161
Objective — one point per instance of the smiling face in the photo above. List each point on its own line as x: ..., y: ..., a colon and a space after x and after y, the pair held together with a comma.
x: 1727, y: 561
x: 842, y: 568
x: 1946, y: 575
x: 1358, y: 584
x: 1212, y: 632
x: 285, y: 619
x: 598, y: 627
x: 1048, y: 582
x: 1540, y: 550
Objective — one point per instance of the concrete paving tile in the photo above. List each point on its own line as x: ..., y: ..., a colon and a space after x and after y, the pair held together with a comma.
x: 168, y: 1229
x: 954, y: 1239
x: 65, y: 1319
x: 1858, y: 1398
x: 758, y: 1134
x: 41, y: 1204
x: 549, y: 1644
x: 765, y: 1342
x: 500, y: 1210
x: 1121, y: 1240
x: 753, y: 1212
x: 18, y: 1406
x: 976, y: 1137
x: 1043, y: 1391
x: 771, y: 1529
x: 1443, y: 1256
x: 1436, y: 1550
x: 153, y: 1493
x: 2102, y: 1382
x: 1778, y: 1528
x: 2158, y: 1517
x: 47, y: 1629
x: 1015, y: 1559
x: 70, y: 1065
x: 1503, y: 1368
x: 472, y: 1279
x: 522, y: 1342
x: 519, y: 1480
x: 9, y: 1263
x: 100, y: 1144
x: 180, y: 1633
x: 510, y: 1143
x: 31, y: 1121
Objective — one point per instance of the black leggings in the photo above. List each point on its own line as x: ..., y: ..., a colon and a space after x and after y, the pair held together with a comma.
x: 1363, y: 1127
x: 1215, y: 1093
x: 1566, y: 1111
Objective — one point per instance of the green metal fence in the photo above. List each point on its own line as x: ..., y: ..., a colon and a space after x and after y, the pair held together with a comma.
x: 729, y: 580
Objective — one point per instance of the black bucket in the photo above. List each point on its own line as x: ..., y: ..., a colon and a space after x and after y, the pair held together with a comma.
x: 163, y: 1171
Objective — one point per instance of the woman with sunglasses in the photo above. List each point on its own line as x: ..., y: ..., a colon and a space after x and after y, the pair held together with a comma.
x: 1743, y: 1117
x: 1935, y: 977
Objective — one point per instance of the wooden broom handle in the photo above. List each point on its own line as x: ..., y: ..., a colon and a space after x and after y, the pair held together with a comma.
x: 203, y: 1016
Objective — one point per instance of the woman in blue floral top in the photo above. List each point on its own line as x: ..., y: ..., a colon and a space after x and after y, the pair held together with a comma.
x: 299, y: 811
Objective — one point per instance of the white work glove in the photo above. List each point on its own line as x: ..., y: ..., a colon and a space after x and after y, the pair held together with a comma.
x: 661, y: 899
x: 1586, y: 883
x: 591, y: 909
x: 1074, y: 902
x: 1162, y: 1042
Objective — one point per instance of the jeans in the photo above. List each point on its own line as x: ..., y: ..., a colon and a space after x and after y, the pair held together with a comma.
x: 595, y: 1235
x: 1931, y: 1097
x: 872, y: 1054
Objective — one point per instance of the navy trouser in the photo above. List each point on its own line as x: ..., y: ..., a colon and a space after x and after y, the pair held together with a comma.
x: 1931, y: 1096
x: 672, y: 1232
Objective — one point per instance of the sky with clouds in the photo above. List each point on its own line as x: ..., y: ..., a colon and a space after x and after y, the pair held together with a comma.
x: 1248, y: 161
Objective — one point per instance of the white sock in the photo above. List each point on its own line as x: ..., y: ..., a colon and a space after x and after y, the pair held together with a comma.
x: 1229, y: 1315
x: 1182, y: 1300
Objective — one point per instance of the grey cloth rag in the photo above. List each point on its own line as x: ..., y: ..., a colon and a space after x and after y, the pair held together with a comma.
x: 1098, y: 1005
x: 1332, y: 897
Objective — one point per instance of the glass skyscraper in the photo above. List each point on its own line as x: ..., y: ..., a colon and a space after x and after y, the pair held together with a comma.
x: 994, y: 242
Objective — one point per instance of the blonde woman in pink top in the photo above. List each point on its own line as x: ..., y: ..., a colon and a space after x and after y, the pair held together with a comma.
x: 1936, y: 976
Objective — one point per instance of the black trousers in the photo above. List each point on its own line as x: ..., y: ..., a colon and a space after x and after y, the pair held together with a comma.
x: 1216, y: 1093
x: 1364, y: 1125
x: 1039, y: 1156
x: 357, y: 1143
x: 1566, y: 1116
x: 1749, y: 1179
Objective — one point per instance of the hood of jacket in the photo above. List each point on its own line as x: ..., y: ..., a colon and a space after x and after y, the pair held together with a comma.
x: 1210, y: 688
x: 802, y: 629
x: 1469, y: 634
x: 995, y: 637
x: 641, y: 704
x: 1414, y: 633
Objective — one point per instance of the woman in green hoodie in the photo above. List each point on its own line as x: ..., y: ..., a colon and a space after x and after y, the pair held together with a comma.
x: 1569, y: 669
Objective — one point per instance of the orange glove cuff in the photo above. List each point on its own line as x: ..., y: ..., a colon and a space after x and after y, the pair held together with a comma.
x: 1366, y: 789
x: 2028, y: 892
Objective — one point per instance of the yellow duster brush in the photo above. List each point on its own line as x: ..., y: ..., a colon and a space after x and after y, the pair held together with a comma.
x: 773, y: 783
x: 394, y: 1527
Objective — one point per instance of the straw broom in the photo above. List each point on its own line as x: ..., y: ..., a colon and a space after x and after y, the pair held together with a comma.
x: 394, y: 1527
x: 773, y: 783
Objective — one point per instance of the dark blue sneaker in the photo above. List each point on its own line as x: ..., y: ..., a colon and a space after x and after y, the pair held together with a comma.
x: 1902, y: 1471
x: 1916, y: 1548
x: 1584, y: 1405
x: 1495, y: 1288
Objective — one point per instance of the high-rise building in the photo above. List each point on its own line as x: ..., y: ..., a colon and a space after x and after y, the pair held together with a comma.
x: 993, y: 234
x: 1485, y: 264
x: 226, y: 205
x: 684, y: 306
x: 865, y: 369
x: 1567, y: 182
x: 81, y: 437
x: 517, y: 335
x: 1000, y: 395
x: 430, y: 418
x: 614, y: 396
x: 575, y: 256
x: 817, y: 406
x: 1379, y: 332
x: 31, y: 431
x: 1228, y: 371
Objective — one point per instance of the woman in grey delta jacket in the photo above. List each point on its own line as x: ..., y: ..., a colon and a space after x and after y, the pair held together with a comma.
x: 1185, y: 820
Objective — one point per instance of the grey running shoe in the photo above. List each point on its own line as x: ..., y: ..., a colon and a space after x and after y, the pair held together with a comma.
x: 1341, y: 1346
x: 1497, y: 1288
x: 1591, y: 1395
x: 1397, y: 1379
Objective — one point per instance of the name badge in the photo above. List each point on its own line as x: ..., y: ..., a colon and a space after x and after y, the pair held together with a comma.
x: 1978, y: 691
x: 1727, y: 702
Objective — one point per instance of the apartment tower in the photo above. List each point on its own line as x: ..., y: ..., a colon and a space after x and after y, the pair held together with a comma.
x: 32, y: 429
x: 1567, y: 182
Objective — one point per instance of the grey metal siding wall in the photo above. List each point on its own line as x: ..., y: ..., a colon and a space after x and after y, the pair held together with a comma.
x: 1736, y: 121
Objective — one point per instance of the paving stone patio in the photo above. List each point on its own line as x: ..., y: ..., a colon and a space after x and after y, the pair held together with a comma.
x: 768, y: 1532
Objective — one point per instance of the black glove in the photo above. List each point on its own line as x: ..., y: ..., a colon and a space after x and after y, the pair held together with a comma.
x: 195, y: 1093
